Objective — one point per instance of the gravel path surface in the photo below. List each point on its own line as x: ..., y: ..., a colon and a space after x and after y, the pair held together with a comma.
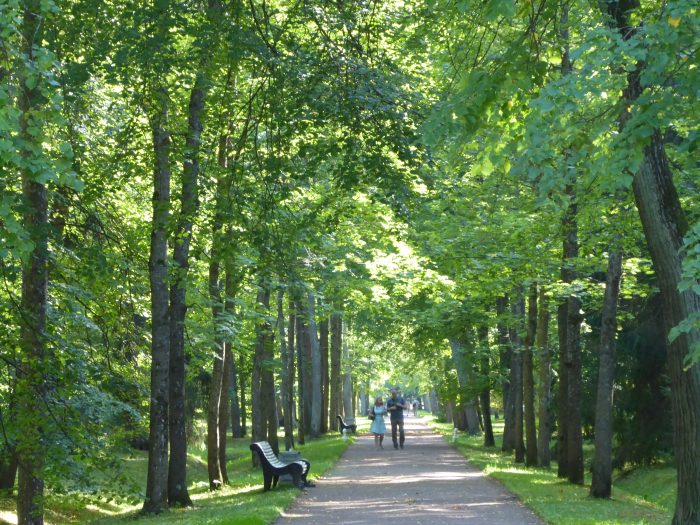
x: 428, y: 482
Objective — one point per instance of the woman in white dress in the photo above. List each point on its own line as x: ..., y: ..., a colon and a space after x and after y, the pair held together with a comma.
x: 378, y: 428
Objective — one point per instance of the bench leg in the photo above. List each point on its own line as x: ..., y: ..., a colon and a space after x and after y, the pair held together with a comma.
x: 297, y: 480
x: 306, y: 472
x: 275, y: 479
x: 267, y: 481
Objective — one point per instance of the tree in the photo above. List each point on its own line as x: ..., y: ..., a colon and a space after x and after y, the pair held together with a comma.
x: 32, y: 386
x: 665, y: 225
x: 601, y: 485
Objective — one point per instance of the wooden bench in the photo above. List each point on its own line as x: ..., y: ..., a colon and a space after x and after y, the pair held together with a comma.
x: 343, y: 425
x: 273, y: 468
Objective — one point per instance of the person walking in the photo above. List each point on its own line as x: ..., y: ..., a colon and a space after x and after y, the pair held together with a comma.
x: 378, y: 428
x: 395, y: 405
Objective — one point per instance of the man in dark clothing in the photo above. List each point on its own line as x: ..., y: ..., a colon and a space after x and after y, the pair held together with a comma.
x: 395, y: 405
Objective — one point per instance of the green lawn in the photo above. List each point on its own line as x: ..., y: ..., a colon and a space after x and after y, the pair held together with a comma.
x: 644, y: 496
x: 242, y: 502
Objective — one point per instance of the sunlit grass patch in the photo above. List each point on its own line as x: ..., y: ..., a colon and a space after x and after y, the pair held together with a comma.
x: 242, y: 502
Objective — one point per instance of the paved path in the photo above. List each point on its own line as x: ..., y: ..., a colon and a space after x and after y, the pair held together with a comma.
x: 428, y: 482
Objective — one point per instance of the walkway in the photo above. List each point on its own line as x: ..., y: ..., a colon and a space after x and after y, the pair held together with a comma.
x: 427, y: 483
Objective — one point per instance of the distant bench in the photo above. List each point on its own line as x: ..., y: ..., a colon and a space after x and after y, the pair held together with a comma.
x: 273, y: 468
x: 343, y: 425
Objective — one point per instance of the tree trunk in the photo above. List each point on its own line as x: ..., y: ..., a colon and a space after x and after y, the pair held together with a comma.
x: 601, y: 485
x: 562, y: 401
x: 289, y: 365
x: 228, y: 383
x: 325, y: 385
x: 665, y: 224
x: 32, y: 374
x: 217, y: 382
x: 215, y: 388
x: 516, y: 379
x: 434, y: 403
x: 570, y: 388
x: 570, y: 251
x: 216, y: 385
x: 529, y: 381
x: 505, y: 353
x: 259, y: 412
x: 664, y: 227
x: 234, y: 389
x: 224, y: 412
x: 545, y: 380
x: 267, y: 385
x: 336, y: 327
x: 485, y: 396
x: 157, y: 478
x: 307, y: 366
x: 301, y: 372
x: 316, y: 379
x: 347, y: 381
x: 237, y: 414
x: 574, y: 431
x: 177, y: 473
x: 242, y: 375
x: 284, y: 372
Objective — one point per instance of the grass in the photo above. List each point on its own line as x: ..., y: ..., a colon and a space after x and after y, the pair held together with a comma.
x: 644, y: 496
x: 241, y: 502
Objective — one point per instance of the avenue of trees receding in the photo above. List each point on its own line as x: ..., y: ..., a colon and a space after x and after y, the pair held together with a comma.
x: 241, y: 218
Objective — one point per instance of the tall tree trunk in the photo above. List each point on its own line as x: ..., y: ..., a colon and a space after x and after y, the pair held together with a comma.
x: 213, y: 410
x: 32, y: 374
x: 601, y: 485
x: 505, y: 354
x: 157, y: 478
x: 230, y: 396
x: 665, y: 224
x: 316, y: 379
x: 216, y: 386
x: 234, y: 388
x: 465, y: 376
x: 267, y: 385
x: 325, y: 385
x: 664, y: 227
x: 570, y: 251
x: 301, y: 372
x: 177, y: 473
x: 529, y: 381
x: 307, y: 366
x: 237, y: 415
x: 570, y: 388
x: 574, y: 431
x: 516, y: 379
x: 348, y: 412
x: 545, y: 380
x: 242, y: 386
x: 284, y: 371
x: 285, y: 391
x: 224, y: 412
x: 485, y: 395
x: 336, y: 358
x: 257, y: 399
x: 563, y: 392
x: 434, y: 402
x: 289, y: 366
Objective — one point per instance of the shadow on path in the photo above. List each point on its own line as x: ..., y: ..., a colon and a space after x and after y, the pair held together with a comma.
x: 426, y: 483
